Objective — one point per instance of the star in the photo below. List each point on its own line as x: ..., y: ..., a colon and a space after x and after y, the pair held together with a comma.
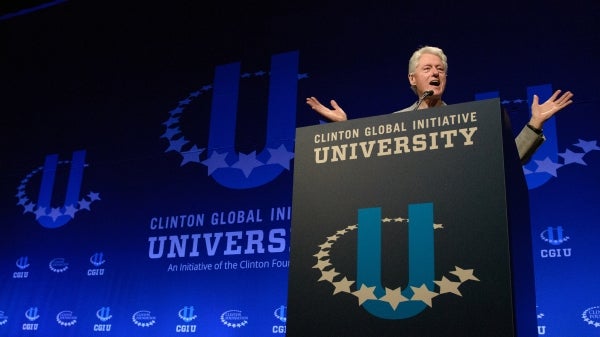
x: 185, y: 101
x: 342, y: 286
x: 399, y: 219
x: 364, y: 293
x: 321, y: 254
x: 438, y: 226
x: 176, y: 145
x: 447, y: 286
x: 93, y: 196
x: 41, y: 211
x: 28, y: 208
x: 22, y: 201
x: 325, y: 245
x: 464, y: 274
x: 341, y: 232
x: 247, y: 163
x: 170, y: 133
x: 55, y: 213
x: 176, y: 111
x: 393, y: 297
x: 171, y: 121
x: 84, y: 204
x: 328, y: 275
x: 386, y: 220
x: 572, y: 157
x: 547, y: 166
x: 587, y: 146
x: 423, y: 294
x: 191, y: 156
x: 70, y: 211
x: 332, y: 238
x: 322, y: 264
x: 215, y: 161
x: 281, y: 156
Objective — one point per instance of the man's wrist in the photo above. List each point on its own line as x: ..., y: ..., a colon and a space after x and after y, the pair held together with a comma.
x: 534, y: 129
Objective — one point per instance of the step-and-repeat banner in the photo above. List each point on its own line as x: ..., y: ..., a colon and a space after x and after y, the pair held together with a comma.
x: 146, y: 184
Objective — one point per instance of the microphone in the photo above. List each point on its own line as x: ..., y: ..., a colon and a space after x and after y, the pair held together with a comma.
x: 426, y: 94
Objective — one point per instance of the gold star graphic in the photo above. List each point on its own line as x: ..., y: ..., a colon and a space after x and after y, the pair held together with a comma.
x: 464, y: 274
x: 328, y: 275
x: 342, y: 286
x: 393, y: 297
x: 341, y: 232
x: 447, y: 286
x: 364, y: 293
x: 423, y: 294
x: 321, y: 254
x: 322, y: 264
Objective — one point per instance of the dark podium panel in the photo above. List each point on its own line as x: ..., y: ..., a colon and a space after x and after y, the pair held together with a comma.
x: 411, y: 224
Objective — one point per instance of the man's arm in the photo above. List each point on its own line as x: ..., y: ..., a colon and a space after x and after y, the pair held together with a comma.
x: 528, y: 141
x: 531, y: 137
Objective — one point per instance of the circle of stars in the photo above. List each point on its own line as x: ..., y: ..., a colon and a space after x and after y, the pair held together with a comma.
x: 70, y: 210
x: 588, y: 320
x: 279, y: 312
x: 393, y: 297
x: 237, y: 315
x: 215, y: 160
x: 140, y: 324
x: 544, y: 237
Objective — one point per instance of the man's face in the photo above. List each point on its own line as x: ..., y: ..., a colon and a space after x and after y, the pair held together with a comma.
x: 430, y: 74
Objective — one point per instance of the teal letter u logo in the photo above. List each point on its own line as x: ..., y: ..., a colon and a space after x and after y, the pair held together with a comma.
x: 420, y: 259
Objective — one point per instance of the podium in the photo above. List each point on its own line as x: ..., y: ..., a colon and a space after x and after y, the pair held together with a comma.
x: 411, y: 224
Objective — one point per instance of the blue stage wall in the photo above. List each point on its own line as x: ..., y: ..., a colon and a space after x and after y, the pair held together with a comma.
x: 148, y: 150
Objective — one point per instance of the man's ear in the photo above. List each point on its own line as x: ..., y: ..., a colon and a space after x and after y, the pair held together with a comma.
x: 411, y: 79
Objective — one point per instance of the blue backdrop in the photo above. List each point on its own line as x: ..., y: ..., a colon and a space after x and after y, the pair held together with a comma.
x: 148, y: 150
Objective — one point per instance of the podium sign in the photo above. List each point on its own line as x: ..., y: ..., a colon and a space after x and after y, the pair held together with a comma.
x: 402, y: 226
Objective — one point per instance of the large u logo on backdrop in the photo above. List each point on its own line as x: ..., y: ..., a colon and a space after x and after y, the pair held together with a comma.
x: 228, y: 167
x: 550, y: 147
x: 420, y: 258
